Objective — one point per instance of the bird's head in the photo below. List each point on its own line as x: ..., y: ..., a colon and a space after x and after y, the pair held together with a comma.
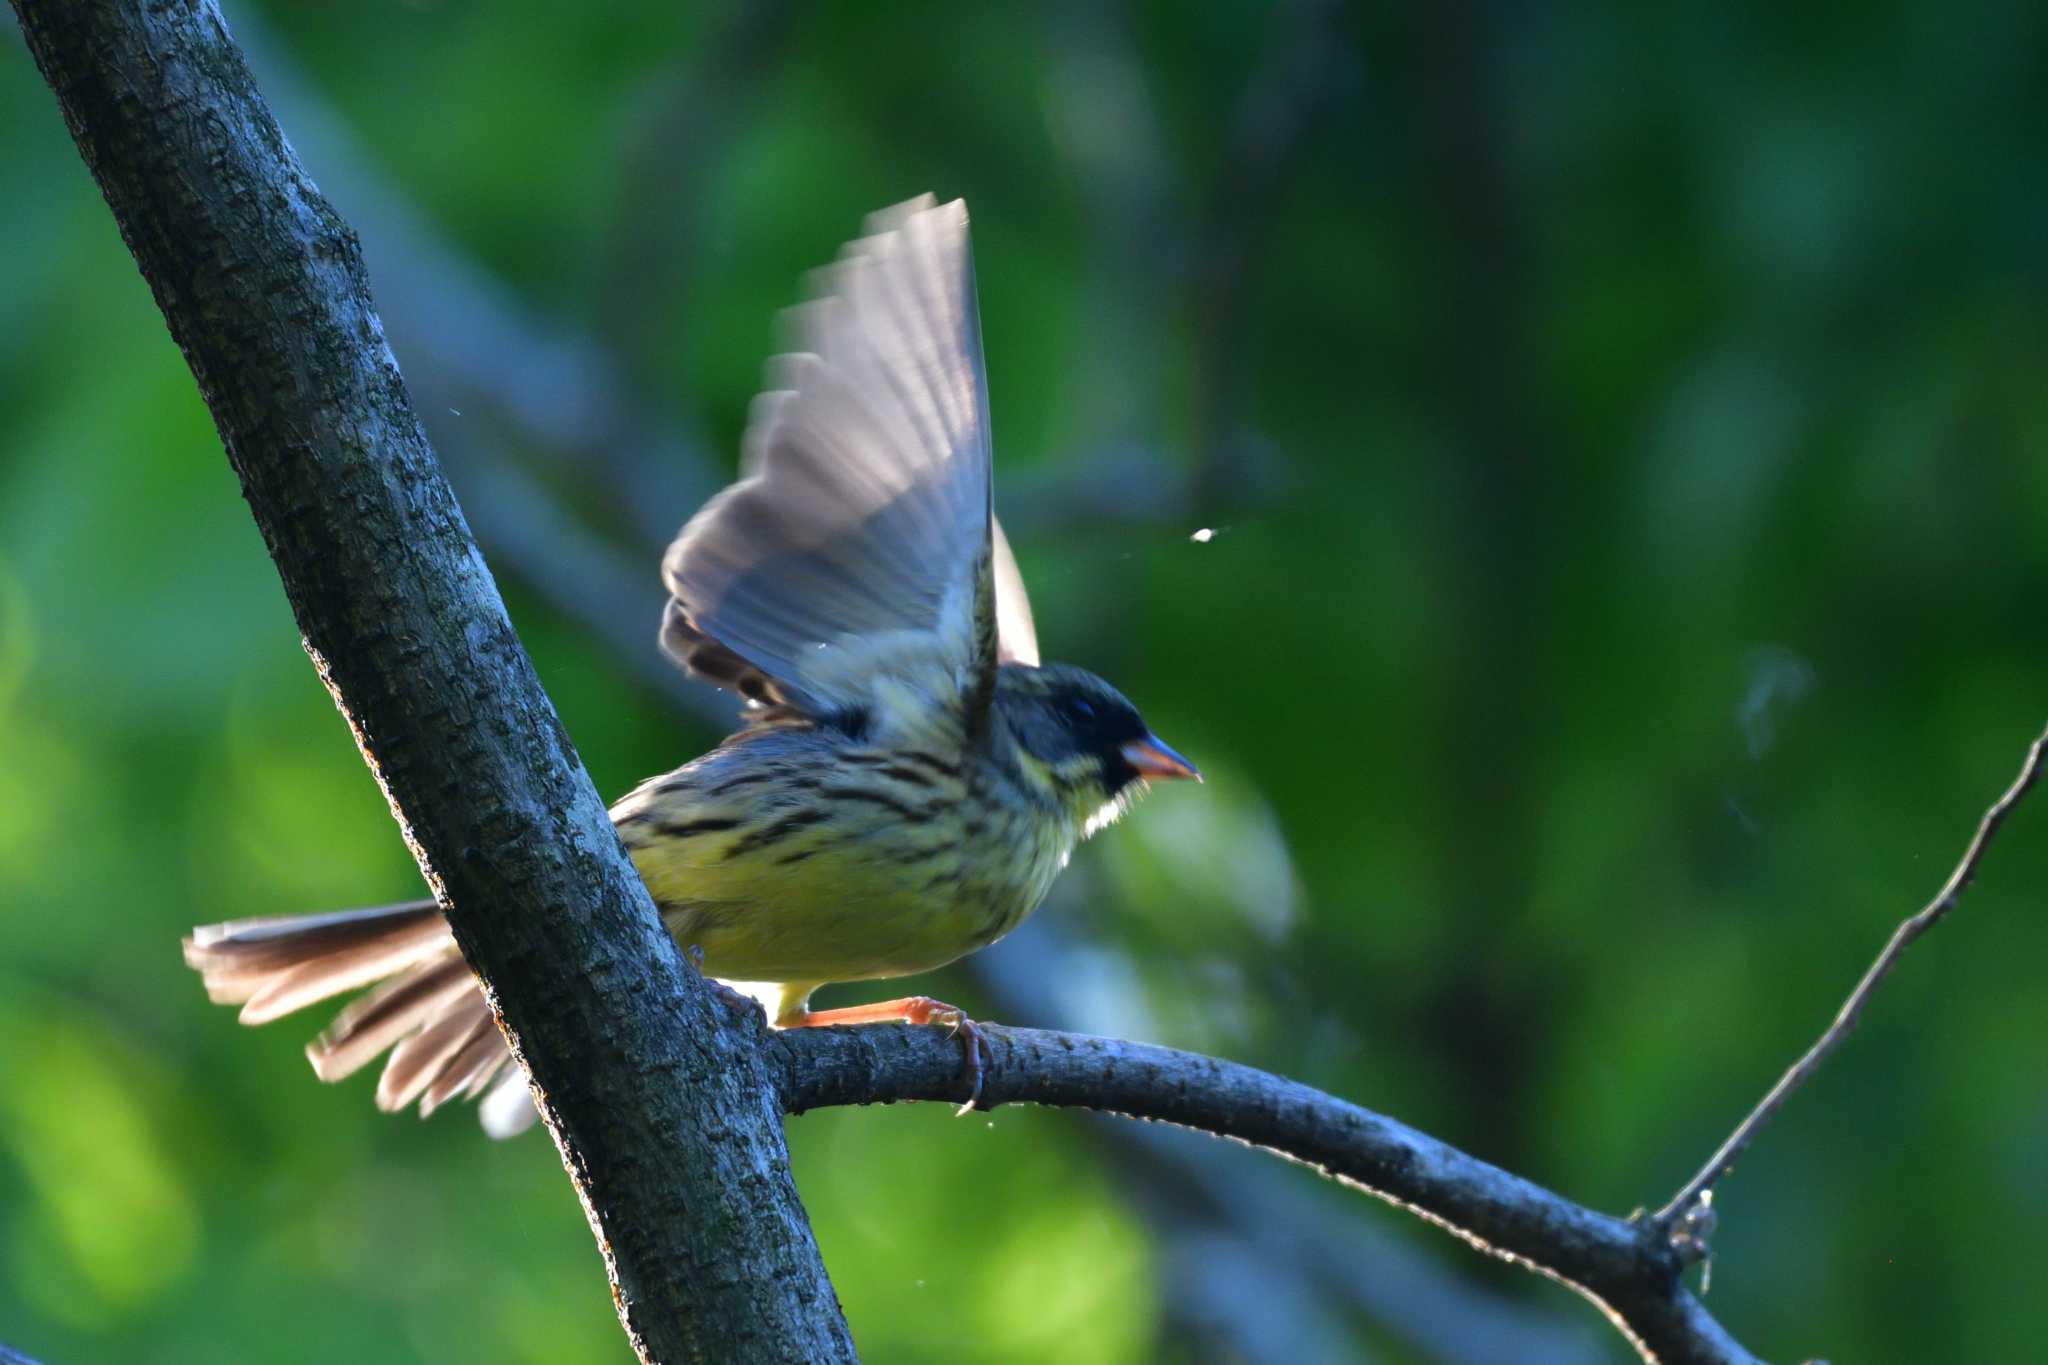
x: 1082, y: 741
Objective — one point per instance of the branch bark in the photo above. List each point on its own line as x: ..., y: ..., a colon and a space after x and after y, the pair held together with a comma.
x: 1624, y: 1268
x: 663, y: 1115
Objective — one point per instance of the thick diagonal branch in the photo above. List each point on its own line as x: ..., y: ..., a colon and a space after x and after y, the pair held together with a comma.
x: 664, y: 1118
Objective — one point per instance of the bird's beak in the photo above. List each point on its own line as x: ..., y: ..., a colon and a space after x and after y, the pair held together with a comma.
x: 1153, y: 759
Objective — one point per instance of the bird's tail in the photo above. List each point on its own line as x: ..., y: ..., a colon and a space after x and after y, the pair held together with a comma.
x: 425, y: 1007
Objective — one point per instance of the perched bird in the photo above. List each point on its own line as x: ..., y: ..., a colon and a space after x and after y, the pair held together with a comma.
x: 909, y: 779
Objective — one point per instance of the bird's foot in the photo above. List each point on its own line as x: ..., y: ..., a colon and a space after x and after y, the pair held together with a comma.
x: 923, y: 1011
x: 974, y: 1045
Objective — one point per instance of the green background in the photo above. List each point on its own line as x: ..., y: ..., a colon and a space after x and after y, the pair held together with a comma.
x: 1623, y: 436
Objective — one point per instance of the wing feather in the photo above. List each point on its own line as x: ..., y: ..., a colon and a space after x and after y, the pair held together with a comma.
x: 859, y: 543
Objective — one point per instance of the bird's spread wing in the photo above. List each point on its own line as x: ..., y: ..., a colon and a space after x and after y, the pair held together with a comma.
x: 857, y: 565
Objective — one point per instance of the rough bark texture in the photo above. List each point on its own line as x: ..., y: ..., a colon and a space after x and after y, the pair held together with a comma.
x: 663, y: 1114
x: 1628, y: 1270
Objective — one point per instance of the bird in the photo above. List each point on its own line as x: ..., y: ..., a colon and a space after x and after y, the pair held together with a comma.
x: 908, y: 778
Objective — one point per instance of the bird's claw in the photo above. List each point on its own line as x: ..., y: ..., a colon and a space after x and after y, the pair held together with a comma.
x: 919, y: 1011
x: 976, y: 1053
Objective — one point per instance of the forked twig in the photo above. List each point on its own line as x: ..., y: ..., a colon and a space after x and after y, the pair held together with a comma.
x: 1851, y: 1012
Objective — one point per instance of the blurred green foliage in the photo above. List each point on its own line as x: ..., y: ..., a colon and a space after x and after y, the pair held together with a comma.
x: 1624, y: 435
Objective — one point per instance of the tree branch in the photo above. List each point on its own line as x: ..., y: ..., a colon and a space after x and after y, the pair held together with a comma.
x: 1697, y: 1194
x: 1359, y: 1264
x: 1627, y: 1271
x: 661, y: 1114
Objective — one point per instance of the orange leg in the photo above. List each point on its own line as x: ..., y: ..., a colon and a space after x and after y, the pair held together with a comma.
x: 921, y: 1010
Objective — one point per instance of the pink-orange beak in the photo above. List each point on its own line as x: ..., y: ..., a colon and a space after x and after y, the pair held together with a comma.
x: 1154, y: 759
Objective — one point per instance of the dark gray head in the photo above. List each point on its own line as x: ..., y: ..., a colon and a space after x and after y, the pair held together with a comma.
x: 1089, y: 745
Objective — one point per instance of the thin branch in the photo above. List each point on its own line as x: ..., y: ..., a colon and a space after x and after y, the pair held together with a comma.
x: 1627, y: 1272
x: 1851, y: 1012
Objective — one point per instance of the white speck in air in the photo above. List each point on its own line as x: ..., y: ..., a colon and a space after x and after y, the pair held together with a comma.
x: 1204, y: 536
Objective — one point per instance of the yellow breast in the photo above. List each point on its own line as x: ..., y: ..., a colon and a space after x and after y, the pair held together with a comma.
x: 808, y: 859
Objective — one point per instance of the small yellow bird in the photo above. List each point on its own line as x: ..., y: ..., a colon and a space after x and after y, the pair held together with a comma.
x: 909, y: 779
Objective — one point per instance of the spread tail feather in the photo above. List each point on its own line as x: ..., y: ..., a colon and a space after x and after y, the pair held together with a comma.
x: 427, y: 1009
